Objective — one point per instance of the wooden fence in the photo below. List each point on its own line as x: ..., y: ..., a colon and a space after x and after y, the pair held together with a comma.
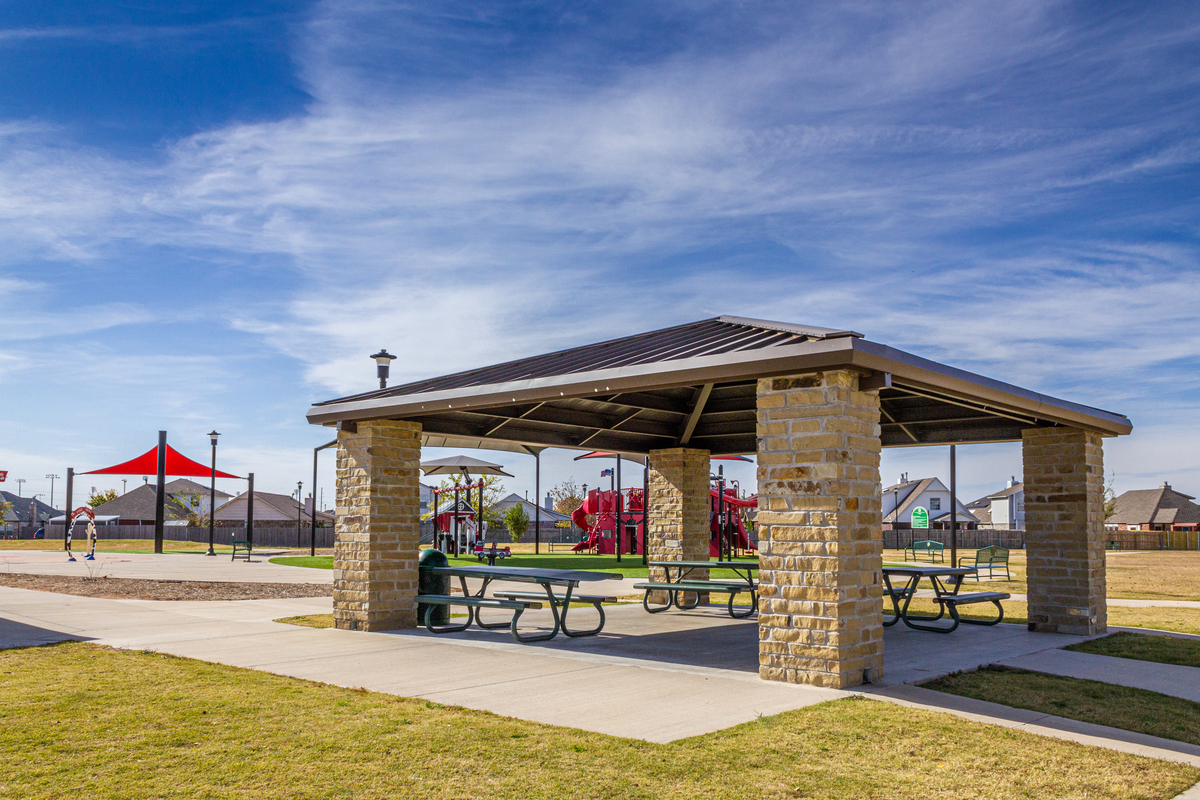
x: 967, y: 539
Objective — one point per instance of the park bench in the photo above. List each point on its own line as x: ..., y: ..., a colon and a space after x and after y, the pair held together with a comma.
x: 989, y: 558
x: 595, y: 599
x: 935, y: 551
x: 698, y: 588
x: 241, y: 546
x: 473, y: 605
x: 1112, y: 546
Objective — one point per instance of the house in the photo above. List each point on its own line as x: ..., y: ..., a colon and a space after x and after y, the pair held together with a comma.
x: 137, y: 506
x: 547, y: 515
x: 930, y: 494
x: 1161, y: 509
x: 1004, y: 509
x: 271, y: 507
x: 20, y: 515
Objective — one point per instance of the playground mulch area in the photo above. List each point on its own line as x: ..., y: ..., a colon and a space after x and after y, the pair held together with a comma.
x: 143, y: 589
x: 162, y: 726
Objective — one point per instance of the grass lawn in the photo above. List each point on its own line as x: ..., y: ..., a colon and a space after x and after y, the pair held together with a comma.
x: 310, y: 621
x: 162, y: 726
x: 1144, y: 647
x: 1179, y: 620
x: 629, y: 567
x: 1088, y: 701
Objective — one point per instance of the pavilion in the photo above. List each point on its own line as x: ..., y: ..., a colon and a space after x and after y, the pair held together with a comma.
x: 815, y: 405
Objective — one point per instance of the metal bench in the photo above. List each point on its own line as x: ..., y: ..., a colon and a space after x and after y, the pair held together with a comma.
x: 989, y: 558
x: 1112, y: 545
x: 241, y: 546
x: 558, y: 600
x: 473, y: 605
x: 698, y: 587
x: 935, y: 551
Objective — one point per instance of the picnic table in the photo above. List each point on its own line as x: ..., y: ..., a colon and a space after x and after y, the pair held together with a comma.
x: 948, y: 598
x: 682, y: 584
x: 516, y: 601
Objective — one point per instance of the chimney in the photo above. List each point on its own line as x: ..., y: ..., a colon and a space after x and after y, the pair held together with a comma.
x: 548, y: 503
x: 308, y: 505
x: 1012, y: 482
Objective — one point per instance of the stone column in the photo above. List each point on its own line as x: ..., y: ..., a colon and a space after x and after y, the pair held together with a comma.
x: 377, y: 526
x: 820, y: 534
x: 680, y: 510
x: 1064, y: 530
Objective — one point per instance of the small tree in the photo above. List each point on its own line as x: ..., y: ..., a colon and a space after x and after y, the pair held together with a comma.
x: 1110, y: 498
x: 567, y: 496
x: 100, y: 498
x: 5, y: 508
x: 517, y: 521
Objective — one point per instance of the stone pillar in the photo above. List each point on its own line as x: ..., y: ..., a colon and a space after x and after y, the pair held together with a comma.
x: 1064, y: 530
x: 377, y: 527
x: 820, y: 534
x: 680, y: 510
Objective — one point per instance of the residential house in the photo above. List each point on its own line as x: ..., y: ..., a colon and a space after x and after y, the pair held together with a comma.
x: 931, y: 494
x: 137, y: 506
x: 1161, y: 509
x: 25, y: 511
x: 271, y: 507
x: 1004, y: 509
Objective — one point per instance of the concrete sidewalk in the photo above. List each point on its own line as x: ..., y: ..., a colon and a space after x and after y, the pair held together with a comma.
x: 1169, y: 679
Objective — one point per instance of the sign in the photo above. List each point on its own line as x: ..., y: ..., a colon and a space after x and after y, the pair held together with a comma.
x: 3, y: 475
x: 920, y: 517
x: 563, y: 523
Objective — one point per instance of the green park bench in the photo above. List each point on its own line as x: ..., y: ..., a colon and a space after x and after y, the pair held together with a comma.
x: 933, y: 550
x: 989, y: 558
x: 241, y: 546
x: 1112, y: 545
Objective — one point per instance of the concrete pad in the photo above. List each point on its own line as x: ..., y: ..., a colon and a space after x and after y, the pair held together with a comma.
x: 1169, y: 679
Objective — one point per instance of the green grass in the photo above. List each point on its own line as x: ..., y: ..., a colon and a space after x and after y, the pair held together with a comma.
x: 1087, y: 701
x: 77, y: 720
x: 1144, y: 647
x: 629, y: 567
x: 310, y: 621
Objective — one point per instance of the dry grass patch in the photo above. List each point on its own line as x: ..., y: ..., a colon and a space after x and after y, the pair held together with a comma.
x: 310, y: 621
x: 159, y: 726
x: 1087, y: 701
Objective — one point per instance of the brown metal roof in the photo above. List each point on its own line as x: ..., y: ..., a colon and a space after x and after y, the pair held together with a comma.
x: 696, y: 385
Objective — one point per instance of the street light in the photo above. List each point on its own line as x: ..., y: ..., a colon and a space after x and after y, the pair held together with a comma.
x: 52, y: 478
x: 299, y: 508
x: 212, y: 492
x: 383, y: 363
x: 19, y: 482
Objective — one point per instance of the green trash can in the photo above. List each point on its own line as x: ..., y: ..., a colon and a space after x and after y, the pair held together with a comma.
x: 431, y: 583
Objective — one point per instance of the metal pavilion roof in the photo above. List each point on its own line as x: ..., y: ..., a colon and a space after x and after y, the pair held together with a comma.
x: 695, y: 385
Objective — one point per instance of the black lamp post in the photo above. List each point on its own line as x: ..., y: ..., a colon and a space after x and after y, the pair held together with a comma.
x: 212, y: 493
x: 383, y: 364
x: 299, y: 508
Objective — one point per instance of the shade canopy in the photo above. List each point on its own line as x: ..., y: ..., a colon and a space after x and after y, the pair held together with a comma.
x: 179, y: 466
x: 462, y: 465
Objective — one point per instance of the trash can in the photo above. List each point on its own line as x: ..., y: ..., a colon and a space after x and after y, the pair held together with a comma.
x: 431, y: 583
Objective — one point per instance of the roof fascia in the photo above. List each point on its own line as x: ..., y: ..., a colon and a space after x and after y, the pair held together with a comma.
x: 838, y: 352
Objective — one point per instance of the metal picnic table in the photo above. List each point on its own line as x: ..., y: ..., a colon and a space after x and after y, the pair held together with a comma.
x: 745, y: 583
x: 947, y: 598
x: 545, y: 578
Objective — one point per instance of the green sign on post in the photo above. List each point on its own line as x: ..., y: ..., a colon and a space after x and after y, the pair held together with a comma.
x: 920, y: 518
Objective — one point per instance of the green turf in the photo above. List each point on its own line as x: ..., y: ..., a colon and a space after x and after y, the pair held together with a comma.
x: 630, y: 566
x: 1144, y: 647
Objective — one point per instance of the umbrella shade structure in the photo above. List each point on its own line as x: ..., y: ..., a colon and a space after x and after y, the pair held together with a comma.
x: 147, y: 464
x: 462, y: 465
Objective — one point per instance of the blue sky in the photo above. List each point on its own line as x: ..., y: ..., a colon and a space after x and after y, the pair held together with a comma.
x: 210, y: 214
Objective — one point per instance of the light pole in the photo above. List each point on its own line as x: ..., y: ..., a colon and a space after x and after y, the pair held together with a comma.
x: 299, y: 508
x: 212, y: 492
x: 383, y: 363
x: 19, y: 482
x: 52, y: 479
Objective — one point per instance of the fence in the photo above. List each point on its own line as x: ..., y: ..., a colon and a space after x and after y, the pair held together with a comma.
x: 1154, y: 540
x: 967, y: 539
x: 265, y: 534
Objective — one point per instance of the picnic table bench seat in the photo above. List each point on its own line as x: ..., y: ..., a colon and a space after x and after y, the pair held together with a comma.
x: 473, y: 604
x: 596, y: 600
x: 241, y: 546
x: 698, y: 587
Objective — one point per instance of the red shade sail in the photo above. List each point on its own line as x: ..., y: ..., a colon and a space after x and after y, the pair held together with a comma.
x: 178, y: 466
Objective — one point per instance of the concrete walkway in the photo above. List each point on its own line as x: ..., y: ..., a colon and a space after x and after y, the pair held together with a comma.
x: 1169, y: 679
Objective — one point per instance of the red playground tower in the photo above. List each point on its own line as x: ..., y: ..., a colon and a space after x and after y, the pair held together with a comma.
x: 605, y: 505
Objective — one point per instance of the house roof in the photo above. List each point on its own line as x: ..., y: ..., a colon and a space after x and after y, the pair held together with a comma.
x: 1161, y: 505
x: 914, y: 493
x: 516, y: 499
x: 139, y: 504
x: 183, y: 485
x: 20, y: 509
x: 284, y: 504
x: 695, y: 385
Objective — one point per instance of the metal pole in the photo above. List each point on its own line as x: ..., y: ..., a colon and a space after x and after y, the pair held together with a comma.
x: 953, y: 508
x: 312, y: 535
x: 619, y: 517
x: 537, y: 506
x: 645, y: 510
x: 722, y: 546
x: 160, y: 495
x: 299, y: 510
x: 70, y: 490
x: 212, y: 500
x: 454, y: 512
x: 250, y: 512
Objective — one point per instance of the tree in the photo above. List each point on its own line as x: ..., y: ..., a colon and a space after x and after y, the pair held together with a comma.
x: 1110, y: 498
x: 493, y: 492
x: 5, y: 508
x: 100, y: 498
x: 567, y: 496
x: 517, y: 521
